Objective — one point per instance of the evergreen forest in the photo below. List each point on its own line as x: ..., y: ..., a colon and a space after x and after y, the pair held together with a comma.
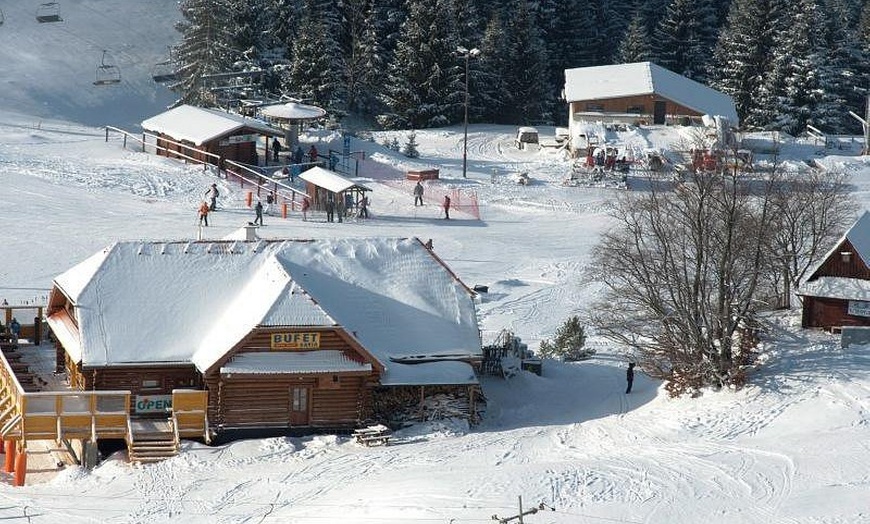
x: 395, y: 64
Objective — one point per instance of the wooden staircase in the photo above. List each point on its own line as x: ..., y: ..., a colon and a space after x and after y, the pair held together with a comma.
x: 152, y: 441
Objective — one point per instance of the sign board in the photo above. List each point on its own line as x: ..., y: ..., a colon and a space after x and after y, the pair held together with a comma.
x: 153, y: 403
x: 859, y: 308
x: 295, y: 340
x: 238, y: 139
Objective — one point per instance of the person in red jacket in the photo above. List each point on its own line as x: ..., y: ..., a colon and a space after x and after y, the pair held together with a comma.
x: 305, y: 205
x: 203, y: 214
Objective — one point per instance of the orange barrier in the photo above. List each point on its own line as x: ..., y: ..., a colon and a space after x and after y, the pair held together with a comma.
x: 249, y: 197
x: 284, y: 210
x: 9, y: 467
x: 20, y: 468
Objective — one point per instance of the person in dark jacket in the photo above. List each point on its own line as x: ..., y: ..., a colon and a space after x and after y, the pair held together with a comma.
x: 212, y: 193
x: 276, y: 149
x: 418, y: 194
x: 629, y: 377
x: 258, y: 209
x: 446, y: 206
x: 330, y: 209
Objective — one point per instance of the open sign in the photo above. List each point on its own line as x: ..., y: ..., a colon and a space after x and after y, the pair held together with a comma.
x: 153, y: 403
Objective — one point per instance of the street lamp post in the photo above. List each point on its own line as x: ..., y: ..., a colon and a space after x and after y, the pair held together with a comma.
x: 467, y: 54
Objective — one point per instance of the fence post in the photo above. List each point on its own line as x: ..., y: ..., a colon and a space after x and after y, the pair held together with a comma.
x: 107, y: 133
x: 284, y: 210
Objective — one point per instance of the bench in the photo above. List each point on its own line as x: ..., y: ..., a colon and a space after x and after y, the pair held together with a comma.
x: 377, y: 434
x: 422, y: 174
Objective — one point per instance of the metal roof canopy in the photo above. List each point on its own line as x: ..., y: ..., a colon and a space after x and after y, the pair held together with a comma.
x: 330, y: 180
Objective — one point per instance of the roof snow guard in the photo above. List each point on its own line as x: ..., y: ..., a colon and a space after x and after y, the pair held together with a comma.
x: 646, y: 78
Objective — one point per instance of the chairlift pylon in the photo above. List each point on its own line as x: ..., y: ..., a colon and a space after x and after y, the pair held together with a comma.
x: 48, y: 12
x: 107, y: 73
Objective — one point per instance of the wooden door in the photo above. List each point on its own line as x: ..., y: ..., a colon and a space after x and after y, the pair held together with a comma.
x: 300, y: 404
x: 659, y: 112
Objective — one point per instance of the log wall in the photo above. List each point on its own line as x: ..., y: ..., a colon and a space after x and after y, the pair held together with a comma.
x: 838, y: 265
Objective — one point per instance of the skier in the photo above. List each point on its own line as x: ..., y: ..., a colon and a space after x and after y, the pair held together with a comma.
x: 418, y: 194
x: 629, y: 377
x: 276, y: 149
x: 203, y: 214
x: 212, y: 193
x: 364, y: 207
x: 339, y: 208
x: 446, y: 206
x: 305, y: 205
x: 258, y: 209
x: 330, y: 209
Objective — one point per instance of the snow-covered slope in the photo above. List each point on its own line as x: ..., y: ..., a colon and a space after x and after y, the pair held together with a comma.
x: 47, y: 70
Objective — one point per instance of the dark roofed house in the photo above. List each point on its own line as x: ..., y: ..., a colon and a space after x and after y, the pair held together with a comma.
x: 837, y: 291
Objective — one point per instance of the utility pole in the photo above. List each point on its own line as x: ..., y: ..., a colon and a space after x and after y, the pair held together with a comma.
x: 467, y: 54
x: 519, y: 517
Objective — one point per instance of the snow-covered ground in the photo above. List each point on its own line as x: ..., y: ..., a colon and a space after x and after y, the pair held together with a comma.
x: 793, y: 446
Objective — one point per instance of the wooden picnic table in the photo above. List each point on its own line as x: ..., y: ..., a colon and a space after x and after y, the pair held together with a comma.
x: 376, y: 434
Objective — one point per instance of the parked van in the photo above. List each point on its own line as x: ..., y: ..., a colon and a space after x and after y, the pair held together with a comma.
x: 526, y: 135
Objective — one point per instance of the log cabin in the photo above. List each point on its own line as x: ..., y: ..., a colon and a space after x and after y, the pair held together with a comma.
x: 837, y: 291
x: 208, y: 135
x: 282, y: 334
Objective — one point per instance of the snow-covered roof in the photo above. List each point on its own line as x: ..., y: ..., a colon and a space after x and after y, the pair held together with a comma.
x: 858, y: 235
x: 178, y: 302
x: 293, y: 111
x: 646, y: 78
x: 837, y: 287
x: 200, y: 125
x: 330, y: 180
x: 325, y: 361
x: 446, y: 373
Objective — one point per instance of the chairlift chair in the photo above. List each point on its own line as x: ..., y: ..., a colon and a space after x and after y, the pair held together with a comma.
x: 107, y: 73
x: 164, y: 72
x: 48, y: 12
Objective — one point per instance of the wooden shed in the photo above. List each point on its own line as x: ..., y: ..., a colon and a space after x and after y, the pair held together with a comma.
x: 190, y: 130
x: 640, y: 92
x: 287, y: 334
x: 837, y: 291
x: 322, y: 184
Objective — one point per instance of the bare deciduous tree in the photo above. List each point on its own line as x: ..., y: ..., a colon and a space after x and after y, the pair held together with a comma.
x: 683, y: 269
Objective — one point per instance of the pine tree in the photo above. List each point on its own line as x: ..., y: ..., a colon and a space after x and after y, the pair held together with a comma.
x: 684, y: 38
x: 205, y: 48
x: 317, y: 66
x: 424, y: 87
x: 635, y: 46
x: 410, y: 150
x: 569, y: 343
x: 490, y: 93
x: 742, y: 57
x: 528, y: 90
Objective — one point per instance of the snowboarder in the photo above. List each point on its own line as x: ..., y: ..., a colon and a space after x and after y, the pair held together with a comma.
x: 446, y: 206
x: 312, y: 154
x: 276, y: 149
x: 418, y: 194
x: 212, y: 193
x: 364, y: 207
x: 330, y: 209
x: 629, y: 377
x: 305, y: 205
x: 203, y: 214
x: 258, y: 209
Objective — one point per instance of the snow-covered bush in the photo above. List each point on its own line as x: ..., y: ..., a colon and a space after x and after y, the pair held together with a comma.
x: 569, y: 343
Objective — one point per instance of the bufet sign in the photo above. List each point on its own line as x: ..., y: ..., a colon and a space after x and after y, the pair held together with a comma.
x: 295, y: 340
x: 153, y: 403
